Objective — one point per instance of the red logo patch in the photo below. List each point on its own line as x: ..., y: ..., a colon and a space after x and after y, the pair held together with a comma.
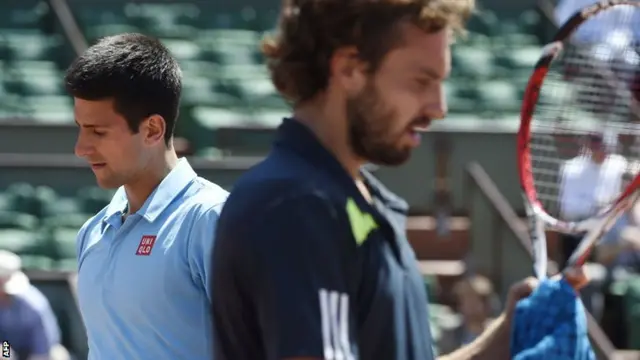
x: 146, y: 245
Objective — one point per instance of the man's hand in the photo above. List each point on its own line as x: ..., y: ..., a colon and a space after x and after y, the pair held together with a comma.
x: 518, y: 291
x: 574, y: 276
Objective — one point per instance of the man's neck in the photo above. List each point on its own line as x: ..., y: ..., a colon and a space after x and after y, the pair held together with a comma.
x: 331, y: 129
x: 139, y: 190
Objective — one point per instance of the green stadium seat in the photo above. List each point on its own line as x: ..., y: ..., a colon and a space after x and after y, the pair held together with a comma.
x: 499, y: 96
x: 16, y: 220
x: 31, y: 45
x: 36, y: 262
x: 472, y: 62
x: 99, y: 31
x: 212, y: 118
x: 93, y: 199
x: 43, y: 85
x: 18, y: 241
x: 210, y: 153
x: 268, y: 118
x: 36, y: 68
x: 461, y: 96
x: 530, y: 21
x: 102, y: 13
x: 70, y: 265
x: 182, y: 49
x: 64, y: 243
x: 3, y: 201
x: 21, y: 198
x: 514, y: 34
x: 23, y: 14
x: 484, y: 22
x: 66, y: 220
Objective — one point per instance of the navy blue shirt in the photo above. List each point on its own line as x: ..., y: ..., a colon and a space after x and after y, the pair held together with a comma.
x: 304, y: 266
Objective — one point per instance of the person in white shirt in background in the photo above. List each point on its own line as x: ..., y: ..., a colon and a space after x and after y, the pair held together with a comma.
x: 619, y: 249
x: 619, y: 253
x: 589, y: 182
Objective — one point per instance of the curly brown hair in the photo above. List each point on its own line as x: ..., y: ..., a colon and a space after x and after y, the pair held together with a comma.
x: 311, y: 30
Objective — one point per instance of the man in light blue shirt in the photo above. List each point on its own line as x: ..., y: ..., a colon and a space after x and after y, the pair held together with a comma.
x: 143, y: 261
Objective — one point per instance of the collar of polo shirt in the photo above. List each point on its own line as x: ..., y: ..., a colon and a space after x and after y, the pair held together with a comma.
x: 170, y: 187
x: 297, y: 136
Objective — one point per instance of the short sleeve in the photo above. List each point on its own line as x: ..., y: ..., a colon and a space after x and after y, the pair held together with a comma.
x: 294, y: 281
x: 200, y: 245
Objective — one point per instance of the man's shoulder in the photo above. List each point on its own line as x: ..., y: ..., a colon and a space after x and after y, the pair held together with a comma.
x: 28, y: 311
x: 618, y: 162
x: 276, y: 193
x: 281, y: 178
x: 206, y: 197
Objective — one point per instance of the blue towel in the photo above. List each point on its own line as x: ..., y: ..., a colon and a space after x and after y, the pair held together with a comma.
x: 551, y: 324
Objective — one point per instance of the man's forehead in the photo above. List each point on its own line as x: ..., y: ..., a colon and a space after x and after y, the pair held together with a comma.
x: 96, y: 113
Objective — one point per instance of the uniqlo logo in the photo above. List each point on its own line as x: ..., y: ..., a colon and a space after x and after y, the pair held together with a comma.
x: 146, y: 245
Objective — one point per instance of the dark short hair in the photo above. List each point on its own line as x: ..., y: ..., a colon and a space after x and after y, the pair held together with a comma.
x: 138, y: 72
x: 309, y: 32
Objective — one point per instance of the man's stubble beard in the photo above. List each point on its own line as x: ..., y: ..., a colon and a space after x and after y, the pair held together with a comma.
x: 369, y: 137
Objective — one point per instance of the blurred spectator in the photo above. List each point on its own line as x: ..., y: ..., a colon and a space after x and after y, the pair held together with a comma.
x: 26, y: 319
x: 620, y: 247
x: 475, y: 302
x: 619, y: 253
x: 588, y: 182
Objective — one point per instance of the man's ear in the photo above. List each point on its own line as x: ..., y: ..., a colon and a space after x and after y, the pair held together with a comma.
x: 348, y: 70
x: 153, y: 129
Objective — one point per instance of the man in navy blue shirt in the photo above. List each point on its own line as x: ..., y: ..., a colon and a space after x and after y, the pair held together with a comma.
x: 311, y: 259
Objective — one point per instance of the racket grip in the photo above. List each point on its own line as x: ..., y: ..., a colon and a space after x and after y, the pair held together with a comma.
x: 575, y: 276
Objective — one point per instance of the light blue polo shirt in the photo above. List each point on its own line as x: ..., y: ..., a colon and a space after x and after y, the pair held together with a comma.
x: 143, y: 284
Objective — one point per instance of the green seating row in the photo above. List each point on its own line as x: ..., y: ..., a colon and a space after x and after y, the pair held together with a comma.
x: 42, y: 203
x: 41, y: 226
x: 44, y: 250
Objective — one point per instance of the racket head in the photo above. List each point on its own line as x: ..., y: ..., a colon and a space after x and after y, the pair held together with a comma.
x: 530, y: 150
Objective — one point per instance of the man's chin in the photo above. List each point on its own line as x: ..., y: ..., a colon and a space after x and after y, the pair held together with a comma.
x: 391, y: 159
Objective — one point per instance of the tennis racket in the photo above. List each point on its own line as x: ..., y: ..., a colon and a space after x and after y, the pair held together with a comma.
x: 580, y: 92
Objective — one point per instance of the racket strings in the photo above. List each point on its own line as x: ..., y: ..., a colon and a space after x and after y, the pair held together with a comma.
x: 591, y: 89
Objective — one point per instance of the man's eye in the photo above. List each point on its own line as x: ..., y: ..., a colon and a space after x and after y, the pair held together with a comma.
x: 423, y: 82
x: 99, y: 133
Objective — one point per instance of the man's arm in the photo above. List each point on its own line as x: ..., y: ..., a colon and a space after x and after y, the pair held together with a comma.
x: 285, y: 276
x: 200, y: 247
x: 492, y: 344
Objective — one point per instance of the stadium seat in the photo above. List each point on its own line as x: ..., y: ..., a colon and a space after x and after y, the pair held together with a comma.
x: 93, y: 199
x: 18, y: 241
x: 461, y: 96
x: 472, y: 62
x: 210, y: 153
x: 37, y: 262
x: 212, y: 118
x: 484, y: 22
x: 498, y: 96
x: 16, y: 220
x: 64, y: 243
